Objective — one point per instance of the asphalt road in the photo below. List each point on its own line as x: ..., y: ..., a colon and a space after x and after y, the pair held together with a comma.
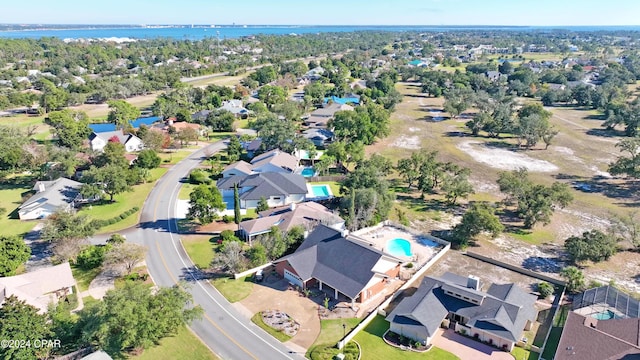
x: 225, y: 331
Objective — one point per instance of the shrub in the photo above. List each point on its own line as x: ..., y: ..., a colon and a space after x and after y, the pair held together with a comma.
x: 226, y: 219
x: 198, y: 176
x: 545, y: 289
x: 92, y: 257
x: 409, y: 265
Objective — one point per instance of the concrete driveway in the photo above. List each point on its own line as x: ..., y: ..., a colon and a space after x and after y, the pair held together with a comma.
x: 467, y: 349
x: 274, y: 295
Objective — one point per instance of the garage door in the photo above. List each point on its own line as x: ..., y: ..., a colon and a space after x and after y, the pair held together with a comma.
x: 292, y: 278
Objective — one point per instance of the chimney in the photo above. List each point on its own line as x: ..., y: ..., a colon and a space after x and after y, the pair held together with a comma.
x: 473, y: 282
x: 41, y: 187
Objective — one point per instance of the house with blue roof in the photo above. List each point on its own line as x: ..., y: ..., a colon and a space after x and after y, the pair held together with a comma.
x: 109, y: 127
x: 351, y: 99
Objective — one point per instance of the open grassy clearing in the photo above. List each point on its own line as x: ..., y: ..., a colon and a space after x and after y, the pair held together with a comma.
x: 185, y: 190
x: 331, y: 331
x: 184, y: 345
x: 200, y: 248
x: 123, y: 202
x: 233, y: 290
x: 374, y: 348
x: 84, y: 277
x: 171, y: 157
x: 581, y: 152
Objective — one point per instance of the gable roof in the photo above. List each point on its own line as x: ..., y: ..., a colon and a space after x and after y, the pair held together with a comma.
x: 265, y: 185
x: 233, y: 106
x: 59, y: 192
x: 119, y: 134
x: 241, y: 165
x: 331, y: 109
x: 289, y: 216
x: 320, y: 134
x: 503, y: 310
x: 586, y: 338
x: 277, y: 158
x: 35, y: 287
x: 339, y: 262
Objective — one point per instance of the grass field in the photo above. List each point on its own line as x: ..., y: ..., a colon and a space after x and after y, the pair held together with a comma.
x: 374, y: 348
x: 331, y: 331
x: 11, y: 196
x: 84, y: 277
x: 182, y: 346
x: 279, y: 335
x: 523, y: 354
x: 172, y: 157
x: 233, y: 290
x: 200, y: 249
x: 185, y: 190
x: 123, y: 202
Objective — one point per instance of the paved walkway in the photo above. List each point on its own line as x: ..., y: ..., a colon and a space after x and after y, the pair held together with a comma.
x: 467, y: 349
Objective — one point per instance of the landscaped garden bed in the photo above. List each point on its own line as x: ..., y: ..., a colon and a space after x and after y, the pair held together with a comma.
x: 404, y: 342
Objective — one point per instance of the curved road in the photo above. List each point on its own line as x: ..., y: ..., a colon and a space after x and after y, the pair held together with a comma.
x: 224, y: 330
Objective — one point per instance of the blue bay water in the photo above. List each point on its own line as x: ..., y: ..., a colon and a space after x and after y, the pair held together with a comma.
x: 197, y: 33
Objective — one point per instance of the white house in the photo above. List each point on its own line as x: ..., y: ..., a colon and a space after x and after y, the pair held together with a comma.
x: 50, y: 196
x: 98, y: 141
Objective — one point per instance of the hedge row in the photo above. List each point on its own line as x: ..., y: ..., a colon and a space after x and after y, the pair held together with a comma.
x: 98, y: 223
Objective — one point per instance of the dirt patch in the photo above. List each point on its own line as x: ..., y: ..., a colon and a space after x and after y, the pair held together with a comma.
x: 504, y: 159
x: 407, y: 142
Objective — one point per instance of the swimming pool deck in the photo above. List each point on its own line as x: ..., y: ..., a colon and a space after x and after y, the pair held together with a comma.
x: 312, y: 196
x: 380, y: 236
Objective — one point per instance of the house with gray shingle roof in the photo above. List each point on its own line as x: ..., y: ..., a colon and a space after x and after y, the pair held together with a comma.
x: 279, y: 189
x: 604, y: 324
x: 497, y: 316
x: 272, y: 161
x: 51, y: 196
x: 341, y: 266
x: 235, y: 107
x: 307, y: 215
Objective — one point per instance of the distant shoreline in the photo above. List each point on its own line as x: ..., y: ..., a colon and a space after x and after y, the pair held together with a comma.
x: 201, y: 31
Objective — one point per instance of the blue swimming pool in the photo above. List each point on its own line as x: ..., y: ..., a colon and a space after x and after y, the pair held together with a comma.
x: 399, y: 247
x: 321, y: 190
x: 605, y: 315
x: 308, y: 172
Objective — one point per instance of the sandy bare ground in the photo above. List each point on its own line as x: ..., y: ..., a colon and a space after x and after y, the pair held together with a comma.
x: 504, y: 159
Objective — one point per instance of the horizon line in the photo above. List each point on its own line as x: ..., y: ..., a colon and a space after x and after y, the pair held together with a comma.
x: 309, y: 25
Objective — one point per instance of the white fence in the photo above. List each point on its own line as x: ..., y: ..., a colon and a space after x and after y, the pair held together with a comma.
x: 380, y: 309
x: 251, y: 271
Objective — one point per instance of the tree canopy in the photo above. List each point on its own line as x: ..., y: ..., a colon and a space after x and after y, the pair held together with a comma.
x: 13, y: 253
x: 204, y: 203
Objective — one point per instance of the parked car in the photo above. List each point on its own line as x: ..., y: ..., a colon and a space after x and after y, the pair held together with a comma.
x: 258, y: 276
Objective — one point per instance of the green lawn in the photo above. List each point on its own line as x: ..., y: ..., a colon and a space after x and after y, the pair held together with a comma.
x: 12, y: 190
x: 523, y: 354
x: 216, y: 136
x: 200, y: 249
x: 374, y: 348
x: 331, y: 331
x: 233, y: 290
x: 172, y: 157
x: 533, y: 237
x: 182, y: 346
x: 552, y: 343
x: 122, y: 203
x: 279, y: 335
x: 84, y: 277
x: 185, y: 190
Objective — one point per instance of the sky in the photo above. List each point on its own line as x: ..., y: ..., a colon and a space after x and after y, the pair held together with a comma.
x: 326, y: 12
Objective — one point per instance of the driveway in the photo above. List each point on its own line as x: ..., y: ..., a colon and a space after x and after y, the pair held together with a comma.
x: 466, y: 348
x: 273, y: 294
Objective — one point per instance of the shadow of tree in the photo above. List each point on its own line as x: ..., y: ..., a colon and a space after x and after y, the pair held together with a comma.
x: 543, y: 264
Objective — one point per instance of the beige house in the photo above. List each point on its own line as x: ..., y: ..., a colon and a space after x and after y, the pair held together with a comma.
x: 39, y: 288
